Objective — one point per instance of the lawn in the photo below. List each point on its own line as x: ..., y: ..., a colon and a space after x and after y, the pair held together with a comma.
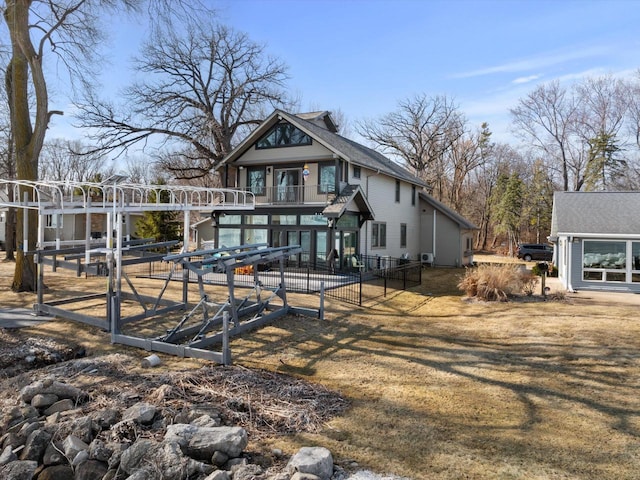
x: 445, y: 388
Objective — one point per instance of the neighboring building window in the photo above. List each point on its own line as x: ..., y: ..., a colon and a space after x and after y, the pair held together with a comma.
x: 403, y: 235
x: 356, y: 171
x: 413, y: 195
x: 378, y: 235
x: 283, y: 135
x: 53, y: 221
x: 327, y: 179
x: 469, y: 244
x: 257, y: 180
x: 397, y: 191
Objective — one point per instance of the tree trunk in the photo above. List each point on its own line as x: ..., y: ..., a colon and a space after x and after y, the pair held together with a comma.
x: 25, y: 60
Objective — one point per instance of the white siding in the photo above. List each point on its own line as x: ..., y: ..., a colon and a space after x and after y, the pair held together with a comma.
x: 380, y: 191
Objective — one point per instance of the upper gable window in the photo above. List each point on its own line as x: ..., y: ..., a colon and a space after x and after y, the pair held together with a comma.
x: 283, y: 135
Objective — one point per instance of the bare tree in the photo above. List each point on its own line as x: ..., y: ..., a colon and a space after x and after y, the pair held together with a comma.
x: 547, y: 117
x: 71, y: 32
x: 419, y: 132
x: 61, y: 159
x: 204, y: 86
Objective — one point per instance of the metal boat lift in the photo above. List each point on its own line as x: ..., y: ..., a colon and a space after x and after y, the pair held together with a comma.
x: 117, y: 200
x: 190, y: 336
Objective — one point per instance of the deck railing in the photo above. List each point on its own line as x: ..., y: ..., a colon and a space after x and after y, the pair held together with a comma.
x: 292, y: 195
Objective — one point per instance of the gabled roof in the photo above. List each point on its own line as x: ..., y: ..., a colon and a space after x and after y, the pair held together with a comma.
x: 350, y: 194
x: 611, y: 213
x: 453, y: 215
x: 351, y: 151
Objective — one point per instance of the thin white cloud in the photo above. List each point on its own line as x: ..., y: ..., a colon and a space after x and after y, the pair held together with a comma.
x: 536, y: 63
x: 528, y: 79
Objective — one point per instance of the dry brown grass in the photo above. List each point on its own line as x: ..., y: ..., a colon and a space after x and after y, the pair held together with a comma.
x: 446, y: 389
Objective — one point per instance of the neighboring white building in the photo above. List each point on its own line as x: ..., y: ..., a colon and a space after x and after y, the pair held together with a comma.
x: 322, y: 191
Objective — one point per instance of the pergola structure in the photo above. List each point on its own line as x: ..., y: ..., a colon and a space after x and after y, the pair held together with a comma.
x: 118, y: 199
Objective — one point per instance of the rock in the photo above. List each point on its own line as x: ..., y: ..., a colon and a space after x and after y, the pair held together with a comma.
x: 35, y: 446
x: 72, y: 445
x: 91, y: 470
x: 44, y: 400
x: 141, y: 475
x: 219, y: 458
x: 56, y: 472
x: 83, y: 429
x: 60, y: 406
x: 12, y: 440
x: 98, y: 450
x: 206, y: 421
x: 62, y: 390
x: 141, y: 413
x: 105, y: 419
x: 53, y: 456
x: 304, y: 476
x: 315, y: 460
x: 201, y: 442
x: 80, y: 458
x: 247, y: 472
x: 219, y: 475
x: 18, y: 470
x: 7, y: 456
x: 28, y: 428
x: 118, y: 449
x: 133, y: 456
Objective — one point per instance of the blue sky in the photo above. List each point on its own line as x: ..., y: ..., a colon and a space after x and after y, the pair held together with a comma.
x: 363, y: 56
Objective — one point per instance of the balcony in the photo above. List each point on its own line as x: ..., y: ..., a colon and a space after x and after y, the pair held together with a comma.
x: 292, y: 195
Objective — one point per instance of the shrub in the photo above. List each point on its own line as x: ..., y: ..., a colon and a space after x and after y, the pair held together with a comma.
x: 553, y: 270
x: 496, y: 282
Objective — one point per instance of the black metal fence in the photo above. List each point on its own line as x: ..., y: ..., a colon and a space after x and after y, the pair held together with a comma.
x: 356, y: 283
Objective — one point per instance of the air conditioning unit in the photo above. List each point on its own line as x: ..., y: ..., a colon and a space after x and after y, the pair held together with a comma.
x: 426, y: 258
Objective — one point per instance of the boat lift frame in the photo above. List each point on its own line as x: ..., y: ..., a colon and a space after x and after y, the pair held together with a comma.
x: 118, y: 199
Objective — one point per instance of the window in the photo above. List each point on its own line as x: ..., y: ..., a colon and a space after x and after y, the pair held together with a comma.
x: 256, y: 180
x: 403, y: 235
x: 356, y: 171
x: 283, y: 135
x: 230, y: 219
x: 378, y: 235
x: 413, y: 195
x: 397, y: 191
x: 327, y: 179
x: 604, y: 261
x: 53, y: 221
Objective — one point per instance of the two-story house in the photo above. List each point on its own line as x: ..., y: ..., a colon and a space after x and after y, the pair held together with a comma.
x: 322, y: 191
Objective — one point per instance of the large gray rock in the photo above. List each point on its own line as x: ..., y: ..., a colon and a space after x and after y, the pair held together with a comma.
x: 133, y: 456
x: 72, y: 445
x: 60, y: 406
x: 7, y: 456
x: 219, y: 475
x: 141, y: 413
x: 201, y: 442
x: 18, y: 470
x: 48, y: 386
x: 35, y: 446
x: 83, y: 429
x: 53, y: 455
x: 91, y: 470
x: 314, y: 460
x: 57, y: 472
x: 44, y: 400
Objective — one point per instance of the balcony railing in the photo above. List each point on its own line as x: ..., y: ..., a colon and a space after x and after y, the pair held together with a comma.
x: 292, y: 195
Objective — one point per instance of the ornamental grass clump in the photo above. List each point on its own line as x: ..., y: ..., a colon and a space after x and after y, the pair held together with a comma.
x: 496, y: 282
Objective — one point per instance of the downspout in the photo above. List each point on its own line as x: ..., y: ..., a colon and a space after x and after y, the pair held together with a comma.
x: 434, y: 235
x: 569, y: 264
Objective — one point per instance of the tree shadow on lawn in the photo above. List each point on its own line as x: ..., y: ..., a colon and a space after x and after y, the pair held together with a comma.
x: 574, y: 371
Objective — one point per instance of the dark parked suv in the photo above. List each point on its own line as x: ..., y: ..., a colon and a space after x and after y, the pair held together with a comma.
x: 535, y: 251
